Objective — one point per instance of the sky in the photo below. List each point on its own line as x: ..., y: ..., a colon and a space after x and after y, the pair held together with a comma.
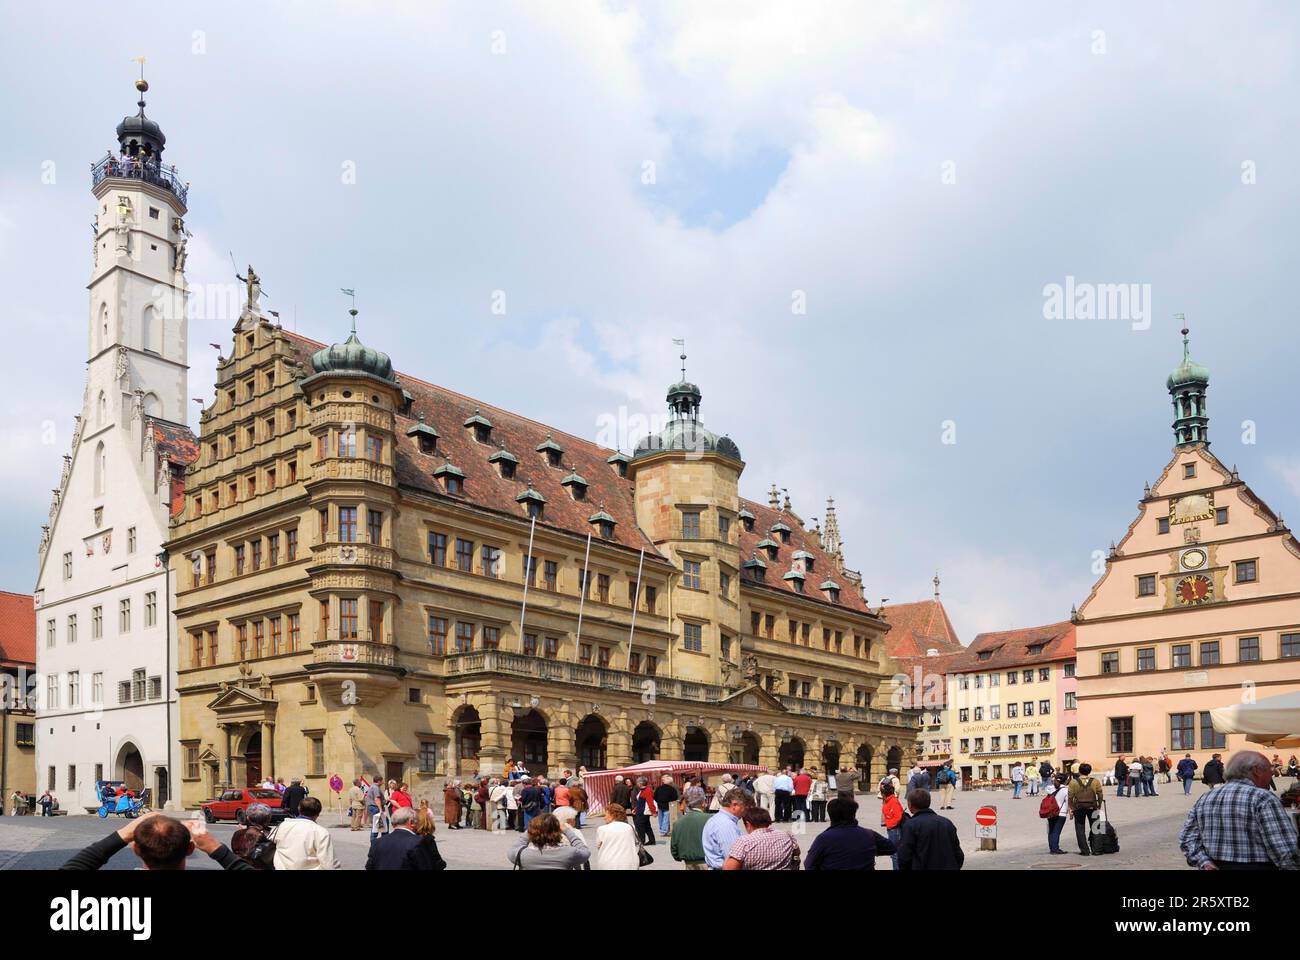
x: 854, y: 214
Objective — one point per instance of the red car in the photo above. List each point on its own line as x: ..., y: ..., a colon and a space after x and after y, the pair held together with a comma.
x: 232, y: 804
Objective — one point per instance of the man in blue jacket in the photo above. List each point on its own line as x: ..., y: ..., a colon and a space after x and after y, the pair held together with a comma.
x: 845, y: 845
x: 929, y: 841
x: 1187, y: 773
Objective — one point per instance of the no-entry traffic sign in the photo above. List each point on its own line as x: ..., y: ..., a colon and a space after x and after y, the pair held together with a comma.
x: 986, y: 816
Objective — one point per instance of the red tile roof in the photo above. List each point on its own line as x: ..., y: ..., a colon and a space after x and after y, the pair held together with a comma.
x: 916, y: 628
x: 446, y: 411
x: 823, y: 566
x: 181, y: 448
x: 17, y: 629
x: 1015, y: 648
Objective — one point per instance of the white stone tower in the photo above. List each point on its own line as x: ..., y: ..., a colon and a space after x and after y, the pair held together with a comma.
x: 105, y: 645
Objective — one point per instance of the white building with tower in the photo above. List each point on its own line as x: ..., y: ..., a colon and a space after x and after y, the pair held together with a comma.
x: 105, y: 645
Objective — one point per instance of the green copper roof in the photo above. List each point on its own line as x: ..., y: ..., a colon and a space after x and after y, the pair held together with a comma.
x: 421, y: 429
x: 766, y: 544
x: 478, y: 420
x: 573, y: 478
x: 449, y: 468
x: 1189, y: 371
x: 794, y: 575
x: 549, y: 444
x: 354, y: 358
x: 745, y: 515
x: 754, y: 561
x: 803, y: 555
x: 829, y: 585
x: 502, y: 454
x: 780, y: 527
x: 618, y: 457
x: 530, y: 495
x: 600, y: 516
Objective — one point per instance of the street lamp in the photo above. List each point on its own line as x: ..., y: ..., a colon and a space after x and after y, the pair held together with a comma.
x: 349, y: 728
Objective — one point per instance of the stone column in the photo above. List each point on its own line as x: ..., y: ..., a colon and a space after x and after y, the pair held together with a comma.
x: 494, y: 735
x: 769, y: 751
x: 230, y: 773
x: 268, y: 749
x: 618, y: 745
x: 560, y: 752
x: 670, y: 743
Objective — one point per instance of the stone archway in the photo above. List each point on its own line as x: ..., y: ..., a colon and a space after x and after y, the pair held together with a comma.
x: 695, y: 745
x: 863, y: 760
x: 130, y: 767
x: 894, y: 760
x: 467, y: 739
x: 591, y: 739
x: 791, y: 754
x: 830, y: 756
x: 646, y: 739
x: 746, y: 748
x: 253, y: 760
x: 528, y: 741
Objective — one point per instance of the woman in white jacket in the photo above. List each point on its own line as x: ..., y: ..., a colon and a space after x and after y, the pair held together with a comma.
x: 1057, y: 791
x: 616, y: 846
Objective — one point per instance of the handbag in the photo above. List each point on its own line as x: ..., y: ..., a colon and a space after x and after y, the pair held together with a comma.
x: 643, y: 857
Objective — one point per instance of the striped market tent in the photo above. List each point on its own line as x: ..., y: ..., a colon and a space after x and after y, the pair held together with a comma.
x: 598, y: 784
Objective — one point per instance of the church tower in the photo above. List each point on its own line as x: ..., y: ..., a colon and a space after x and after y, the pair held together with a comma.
x: 105, y: 651
x: 137, y: 343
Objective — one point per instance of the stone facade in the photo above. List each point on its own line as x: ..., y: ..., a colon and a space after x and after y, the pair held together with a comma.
x: 353, y: 596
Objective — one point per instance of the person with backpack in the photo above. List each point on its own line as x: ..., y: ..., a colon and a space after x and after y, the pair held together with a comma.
x: 252, y: 842
x: 1055, y: 809
x: 1084, y: 797
x: 947, y: 779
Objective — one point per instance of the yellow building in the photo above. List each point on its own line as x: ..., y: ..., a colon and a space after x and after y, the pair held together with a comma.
x: 1199, y: 606
x: 17, y: 718
x: 353, y: 595
x: 1011, y: 700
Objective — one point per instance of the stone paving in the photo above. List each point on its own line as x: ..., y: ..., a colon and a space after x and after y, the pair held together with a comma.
x: 1147, y: 826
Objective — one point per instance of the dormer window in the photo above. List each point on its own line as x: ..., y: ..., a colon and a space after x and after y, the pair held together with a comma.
x: 453, y: 480
x: 782, y: 531
x: 576, y: 485
x: 755, y: 568
x: 534, y: 503
x: 604, y: 523
x: 506, y: 462
x: 481, y: 426
x: 770, y: 546
x: 796, y: 580
x: 804, y: 559
x: 426, y: 437
x: 747, y: 519
x: 1189, y: 471
x: 619, y: 462
x: 831, y: 590
x: 551, y: 450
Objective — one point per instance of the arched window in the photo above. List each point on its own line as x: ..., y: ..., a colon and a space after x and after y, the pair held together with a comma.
x: 152, y: 405
x: 103, y: 325
x: 101, y: 467
x: 149, y: 330
x: 101, y: 409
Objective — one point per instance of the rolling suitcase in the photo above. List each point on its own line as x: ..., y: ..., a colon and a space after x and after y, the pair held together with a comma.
x: 1104, y: 839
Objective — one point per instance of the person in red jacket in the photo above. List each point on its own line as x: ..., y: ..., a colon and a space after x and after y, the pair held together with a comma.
x: 802, y: 784
x: 891, y: 817
x: 643, y: 810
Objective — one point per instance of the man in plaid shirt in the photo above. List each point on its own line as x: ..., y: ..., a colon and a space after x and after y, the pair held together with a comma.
x: 1242, y: 825
x: 762, y: 848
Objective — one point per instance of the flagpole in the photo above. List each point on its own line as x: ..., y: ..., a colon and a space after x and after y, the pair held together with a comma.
x: 582, y: 601
x: 636, y: 602
x: 528, y: 567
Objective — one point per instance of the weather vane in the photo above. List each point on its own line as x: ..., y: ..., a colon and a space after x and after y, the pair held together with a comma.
x: 352, y: 295
x: 682, y: 343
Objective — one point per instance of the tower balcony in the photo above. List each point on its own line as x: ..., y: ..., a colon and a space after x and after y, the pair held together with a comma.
x: 847, y: 711
x: 504, y: 663
x: 162, y: 175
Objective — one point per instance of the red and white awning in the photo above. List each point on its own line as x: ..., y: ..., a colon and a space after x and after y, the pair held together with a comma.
x: 598, y: 784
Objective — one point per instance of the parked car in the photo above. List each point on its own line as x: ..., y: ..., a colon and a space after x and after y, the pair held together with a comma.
x: 232, y: 804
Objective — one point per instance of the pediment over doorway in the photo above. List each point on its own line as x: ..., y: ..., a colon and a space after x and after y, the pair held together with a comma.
x: 240, y: 703
x: 754, y: 697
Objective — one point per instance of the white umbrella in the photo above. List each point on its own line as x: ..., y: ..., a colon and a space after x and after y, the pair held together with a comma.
x: 1273, y: 721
